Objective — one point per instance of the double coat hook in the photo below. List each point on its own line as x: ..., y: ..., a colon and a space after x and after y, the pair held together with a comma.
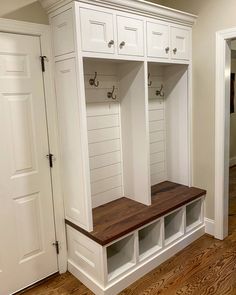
x: 161, y: 91
x: 111, y: 94
x: 94, y: 81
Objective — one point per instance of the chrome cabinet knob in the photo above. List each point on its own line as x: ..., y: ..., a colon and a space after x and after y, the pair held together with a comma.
x: 110, y: 43
x: 175, y: 50
x: 122, y: 44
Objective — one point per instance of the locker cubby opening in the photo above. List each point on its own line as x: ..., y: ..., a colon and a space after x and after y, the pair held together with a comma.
x: 150, y: 239
x: 116, y: 128
x: 168, y: 123
x: 120, y: 257
x: 193, y: 214
x: 173, y: 226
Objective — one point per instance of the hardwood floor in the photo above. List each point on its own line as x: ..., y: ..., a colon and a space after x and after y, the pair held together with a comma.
x: 208, y: 266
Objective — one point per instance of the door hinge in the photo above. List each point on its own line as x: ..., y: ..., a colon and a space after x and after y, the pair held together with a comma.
x: 43, y: 58
x: 56, y: 245
x: 51, y: 158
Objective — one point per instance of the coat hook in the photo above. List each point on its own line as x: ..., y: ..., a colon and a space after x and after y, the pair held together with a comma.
x: 149, y: 82
x: 160, y: 92
x: 93, y: 81
x: 111, y: 94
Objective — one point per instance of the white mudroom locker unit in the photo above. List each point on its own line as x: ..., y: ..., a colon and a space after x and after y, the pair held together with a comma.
x: 123, y: 80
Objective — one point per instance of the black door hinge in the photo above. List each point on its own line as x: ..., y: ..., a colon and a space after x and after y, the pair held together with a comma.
x: 43, y: 58
x: 50, y: 159
x: 56, y: 245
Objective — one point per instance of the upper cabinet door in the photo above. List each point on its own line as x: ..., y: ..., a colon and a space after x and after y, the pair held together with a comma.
x: 158, y: 40
x: 130, y: 36
x: 180, y: 43
x: 97, y: 31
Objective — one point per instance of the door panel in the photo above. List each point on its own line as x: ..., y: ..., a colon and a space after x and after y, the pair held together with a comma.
x: 130, y: 36
x: 158, y: 40
x: 180, y: 43
x: 26, y: 212
x: 97, y: 31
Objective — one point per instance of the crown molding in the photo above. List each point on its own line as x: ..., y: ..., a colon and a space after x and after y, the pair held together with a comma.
x: 140, y: 7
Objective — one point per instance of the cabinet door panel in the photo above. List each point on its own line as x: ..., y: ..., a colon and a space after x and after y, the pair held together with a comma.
x: 97, y: 31
x: 180, y: 39
x: 158, y: 40
x: 130, y: 36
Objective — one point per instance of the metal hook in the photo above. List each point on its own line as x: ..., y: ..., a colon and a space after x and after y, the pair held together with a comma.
x: 160, y: 92
x: 93, y: 81
x: 110, y: 94
x: 149, y: 82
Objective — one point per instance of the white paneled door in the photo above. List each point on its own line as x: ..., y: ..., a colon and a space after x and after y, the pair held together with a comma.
x: 27, y: 230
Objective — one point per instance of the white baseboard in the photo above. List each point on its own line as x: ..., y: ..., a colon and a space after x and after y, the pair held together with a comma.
x: 232, y: 161
x: 210, y: 226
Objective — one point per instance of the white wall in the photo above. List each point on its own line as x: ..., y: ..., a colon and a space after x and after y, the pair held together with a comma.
x: 214, y: 15
x: 24, y: 10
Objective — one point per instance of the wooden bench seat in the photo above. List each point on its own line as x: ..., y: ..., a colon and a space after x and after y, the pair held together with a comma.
x: 122, y: 216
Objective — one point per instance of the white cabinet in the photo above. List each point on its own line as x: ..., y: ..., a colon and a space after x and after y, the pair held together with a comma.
x: 180, y: 43
x: 122, y: 80
x: 130, y: 36
x: 158, y: 40
x: 97, y: 31
x: 98, y: 35
x: 167, y: 42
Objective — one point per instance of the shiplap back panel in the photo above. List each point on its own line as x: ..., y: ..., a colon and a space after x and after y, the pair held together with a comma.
x: 104, y: 133
x: 157, y: 128
x: 177, y: 122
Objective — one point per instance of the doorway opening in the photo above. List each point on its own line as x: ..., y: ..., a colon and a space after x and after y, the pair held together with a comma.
x: 232, y: 152
x: 225, y: 117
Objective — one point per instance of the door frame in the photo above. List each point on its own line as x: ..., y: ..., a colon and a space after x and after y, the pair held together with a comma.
x: 43, y: 32
x: 222, y: 130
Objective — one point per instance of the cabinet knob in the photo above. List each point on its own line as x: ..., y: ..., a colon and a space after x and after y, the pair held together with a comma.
x: 122, y: 44
x: 175, y: 50
x: 167, y: 49
x: 110, y: 43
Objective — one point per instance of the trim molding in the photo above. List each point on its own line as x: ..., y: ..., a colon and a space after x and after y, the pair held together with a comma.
x: 43, y: 32
x: 210, y: 226
x: 222, y: 126
x: 140, y: 7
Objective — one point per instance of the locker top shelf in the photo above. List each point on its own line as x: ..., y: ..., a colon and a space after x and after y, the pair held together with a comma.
x: 123, y: 216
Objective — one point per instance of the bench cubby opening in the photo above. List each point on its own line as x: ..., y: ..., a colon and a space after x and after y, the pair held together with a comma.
x: 150, y: 239
x: 174, y: 226
x: 120, y: 257
x: 193, y: 214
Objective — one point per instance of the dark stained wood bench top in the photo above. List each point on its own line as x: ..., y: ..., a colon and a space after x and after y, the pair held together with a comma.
x: 120, y: 217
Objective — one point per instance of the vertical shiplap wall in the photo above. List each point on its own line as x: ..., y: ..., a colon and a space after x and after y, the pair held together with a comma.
x: 157, y: 127
x: 104, y: 133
